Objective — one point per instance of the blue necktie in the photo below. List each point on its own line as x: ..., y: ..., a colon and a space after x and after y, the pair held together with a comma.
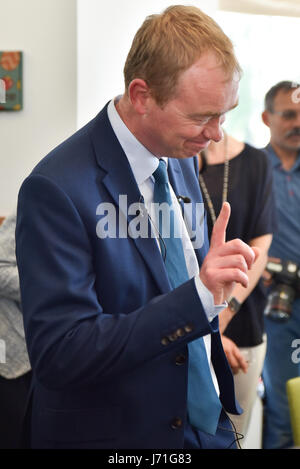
x: 204, y: 406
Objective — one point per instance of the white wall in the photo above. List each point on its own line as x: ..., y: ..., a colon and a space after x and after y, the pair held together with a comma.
x: 45, y: 30
x: 263, y: 7
x: 105, y: 33
x: 266, y: 58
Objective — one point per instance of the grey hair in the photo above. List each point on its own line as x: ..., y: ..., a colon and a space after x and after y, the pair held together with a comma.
x: 286, y: 86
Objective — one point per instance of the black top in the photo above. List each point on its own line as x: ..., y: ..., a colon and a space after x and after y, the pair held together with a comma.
x: 252, y: 214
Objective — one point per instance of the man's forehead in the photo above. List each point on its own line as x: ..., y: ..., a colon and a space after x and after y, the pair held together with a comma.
x: 207, y: 68
x: 208, y: 113
x: 288, y: 98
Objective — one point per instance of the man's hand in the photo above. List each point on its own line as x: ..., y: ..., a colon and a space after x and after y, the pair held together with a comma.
x: 235, y: 359
x: 226, y: 263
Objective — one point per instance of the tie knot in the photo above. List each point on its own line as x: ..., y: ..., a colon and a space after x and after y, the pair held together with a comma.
x: 160, y: 174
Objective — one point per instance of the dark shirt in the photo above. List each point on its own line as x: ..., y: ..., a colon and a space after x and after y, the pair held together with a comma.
x: 285, y: 244
x: 252, y: 214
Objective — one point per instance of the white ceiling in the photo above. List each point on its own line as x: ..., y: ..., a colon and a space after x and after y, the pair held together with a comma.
x: 263, y: 7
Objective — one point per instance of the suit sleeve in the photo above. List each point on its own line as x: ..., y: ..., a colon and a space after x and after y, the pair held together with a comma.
x: 71, y: 340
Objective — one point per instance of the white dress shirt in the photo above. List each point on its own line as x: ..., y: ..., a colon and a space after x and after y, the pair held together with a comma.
x: 143, y: 164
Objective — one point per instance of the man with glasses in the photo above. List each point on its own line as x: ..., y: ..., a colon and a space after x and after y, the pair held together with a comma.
x: 111, y: 316
x: 282, y: 116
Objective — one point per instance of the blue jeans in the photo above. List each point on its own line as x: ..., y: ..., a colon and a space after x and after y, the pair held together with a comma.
x: 280, y: 365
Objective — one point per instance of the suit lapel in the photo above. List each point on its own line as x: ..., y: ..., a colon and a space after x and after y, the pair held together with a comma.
x: 176, y: 177
x: 119, y: 181
x: 179, y: 186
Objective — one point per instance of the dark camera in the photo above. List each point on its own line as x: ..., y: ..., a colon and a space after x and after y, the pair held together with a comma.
x: 286, y: 276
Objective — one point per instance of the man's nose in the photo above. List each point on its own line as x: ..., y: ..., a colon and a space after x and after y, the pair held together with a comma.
x: 213, y: 129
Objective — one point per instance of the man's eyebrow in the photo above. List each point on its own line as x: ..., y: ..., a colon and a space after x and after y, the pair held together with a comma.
x: 288, y: 109
x: 201, y: 115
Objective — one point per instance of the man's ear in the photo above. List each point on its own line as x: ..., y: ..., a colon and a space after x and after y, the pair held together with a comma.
x: 265, y: 118
x: 139, y: 94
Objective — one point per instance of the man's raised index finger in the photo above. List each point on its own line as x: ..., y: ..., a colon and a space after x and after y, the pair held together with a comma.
x: 218, y: 236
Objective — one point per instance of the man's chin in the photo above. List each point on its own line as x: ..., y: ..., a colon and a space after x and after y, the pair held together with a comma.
x: 293, y: 141
x: 183, y: 155
x: 191, y: 150
x: 293, y: 146
x: 195, y: 147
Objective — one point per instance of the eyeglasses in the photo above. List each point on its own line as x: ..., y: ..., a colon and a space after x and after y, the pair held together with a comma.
x: 287, y: 115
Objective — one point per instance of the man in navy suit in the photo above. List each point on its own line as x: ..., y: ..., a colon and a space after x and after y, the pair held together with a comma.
x: 107, y: 334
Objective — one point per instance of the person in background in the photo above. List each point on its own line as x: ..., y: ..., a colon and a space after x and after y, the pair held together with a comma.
x: 241, y: 174
x: 282, y: 116
x: 15, y: 372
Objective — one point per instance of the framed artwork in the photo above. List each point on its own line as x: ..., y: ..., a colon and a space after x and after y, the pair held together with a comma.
x: 11, y: 96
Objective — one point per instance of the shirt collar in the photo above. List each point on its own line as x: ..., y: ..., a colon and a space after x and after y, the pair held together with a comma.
x: 143, y: 163
x: 276, y: 162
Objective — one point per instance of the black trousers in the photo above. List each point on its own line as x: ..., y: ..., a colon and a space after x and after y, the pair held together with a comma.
x: 13, y: 400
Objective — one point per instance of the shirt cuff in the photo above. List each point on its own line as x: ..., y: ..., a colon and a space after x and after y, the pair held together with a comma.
x: 207, y: 300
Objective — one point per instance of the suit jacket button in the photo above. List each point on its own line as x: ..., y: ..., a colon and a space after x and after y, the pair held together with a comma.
x: 176, y: 423
x: 180, y: 332
x: 165, y: 341
x: 188, y: 328
x: 172, y: 337
x: 180, y: 359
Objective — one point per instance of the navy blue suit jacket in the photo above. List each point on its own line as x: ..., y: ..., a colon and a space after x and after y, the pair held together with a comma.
x: 107, y: 338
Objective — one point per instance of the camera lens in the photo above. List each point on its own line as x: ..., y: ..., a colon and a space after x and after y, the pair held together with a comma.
x: 280, y: 300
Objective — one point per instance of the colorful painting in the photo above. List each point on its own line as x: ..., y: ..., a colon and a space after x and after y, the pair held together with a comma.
x: 11, y: 81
